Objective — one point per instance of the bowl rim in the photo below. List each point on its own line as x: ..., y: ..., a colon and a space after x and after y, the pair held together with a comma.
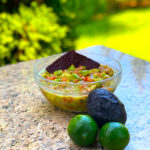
x: 71, y: 83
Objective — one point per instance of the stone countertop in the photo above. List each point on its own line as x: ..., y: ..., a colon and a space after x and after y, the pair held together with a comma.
x: 29, y: 122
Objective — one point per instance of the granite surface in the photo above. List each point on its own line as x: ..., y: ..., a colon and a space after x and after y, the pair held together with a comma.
x: 29, y: 122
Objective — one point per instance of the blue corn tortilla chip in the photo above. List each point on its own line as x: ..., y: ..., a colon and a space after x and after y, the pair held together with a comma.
x: 72, y: 58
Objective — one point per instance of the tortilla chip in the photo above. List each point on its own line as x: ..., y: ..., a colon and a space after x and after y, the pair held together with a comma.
x: 72, y: 58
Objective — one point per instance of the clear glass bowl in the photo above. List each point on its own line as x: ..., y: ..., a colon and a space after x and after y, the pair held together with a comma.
x: 68, y: 98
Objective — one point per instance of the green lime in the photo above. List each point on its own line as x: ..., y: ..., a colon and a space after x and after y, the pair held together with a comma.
x: 114, y: 136
x: 82, y: 129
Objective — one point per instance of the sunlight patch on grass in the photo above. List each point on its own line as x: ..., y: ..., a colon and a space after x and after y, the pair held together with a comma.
x: 128, y: 31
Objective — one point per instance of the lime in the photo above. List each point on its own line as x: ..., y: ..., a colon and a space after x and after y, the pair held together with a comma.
x: 82, y: 129
x: 114, y: 136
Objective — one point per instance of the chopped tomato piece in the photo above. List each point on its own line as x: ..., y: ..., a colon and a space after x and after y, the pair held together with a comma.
x: 98, y: 74
x: 76, y: 81
x: 79, y: 75
x: 88, y: 79
x: 51, y: 78
x: 76, y: 71
x: 64, y: 79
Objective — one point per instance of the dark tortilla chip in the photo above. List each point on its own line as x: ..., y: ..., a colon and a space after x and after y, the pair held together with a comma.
x: 72, y: 58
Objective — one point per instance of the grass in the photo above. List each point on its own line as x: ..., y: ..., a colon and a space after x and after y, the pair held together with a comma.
x: 127, y: 31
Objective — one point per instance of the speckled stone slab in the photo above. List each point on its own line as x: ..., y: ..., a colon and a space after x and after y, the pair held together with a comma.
x: 29, y: 122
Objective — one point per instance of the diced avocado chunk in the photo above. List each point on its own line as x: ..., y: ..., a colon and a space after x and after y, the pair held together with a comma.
x: 75, y: 76
x: 103, y: 74
x: 59, y: 72
x: 98, y: 79
x: 94, y: 70
x: 85, y: 72
x: 71, y: 68
x: 95, y: 75
x: 83, y: 67
x: 58, y: 80
x: 67, y: 75
x: 45, y: 74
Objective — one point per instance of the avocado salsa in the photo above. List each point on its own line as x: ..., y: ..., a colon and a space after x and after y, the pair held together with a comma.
x: 86, y: 81
x: 80, y: 74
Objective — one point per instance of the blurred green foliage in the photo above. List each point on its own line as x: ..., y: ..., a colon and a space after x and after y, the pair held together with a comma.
x: 44, y: 28
x: 67, y: 10
x: 76, y: 10
x: 30, y: 29
x: 32, y: 33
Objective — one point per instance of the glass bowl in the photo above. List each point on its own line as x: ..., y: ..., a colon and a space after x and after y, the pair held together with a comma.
x: 67, y: 97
